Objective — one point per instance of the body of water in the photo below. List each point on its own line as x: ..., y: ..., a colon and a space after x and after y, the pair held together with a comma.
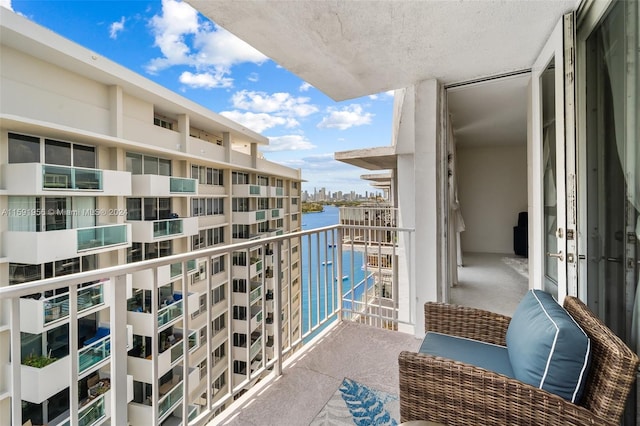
x: 320, y: 277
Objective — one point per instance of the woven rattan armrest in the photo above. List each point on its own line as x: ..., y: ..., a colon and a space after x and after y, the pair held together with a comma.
x: 453, y: 393
x: 466, y: 322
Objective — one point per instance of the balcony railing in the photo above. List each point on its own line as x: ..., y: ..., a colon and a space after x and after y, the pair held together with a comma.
x: 101, y: 236
x: 70, y: 178
x: 182, y: 185
x: 164, y: 228
x: 319, y: 299
x: 92, y: 413
x: 176, y: 268
x: 94, y: 354
x: 255, y: 348
x: 169, y: 313
x: 57, y: 307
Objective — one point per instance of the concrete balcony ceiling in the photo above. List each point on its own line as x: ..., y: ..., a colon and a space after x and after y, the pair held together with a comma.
x: 353, y: 49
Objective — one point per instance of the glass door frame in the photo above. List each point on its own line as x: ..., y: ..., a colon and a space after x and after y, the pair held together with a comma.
x: 559, y: 49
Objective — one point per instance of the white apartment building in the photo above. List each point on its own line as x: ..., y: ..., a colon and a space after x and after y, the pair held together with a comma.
x: 101, y: 167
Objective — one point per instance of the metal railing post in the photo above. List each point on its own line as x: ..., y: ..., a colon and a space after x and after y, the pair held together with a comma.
x: 277, y: 309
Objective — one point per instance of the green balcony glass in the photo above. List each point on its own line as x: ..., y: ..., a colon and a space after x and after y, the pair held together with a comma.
x: 193, y: 341
x: 94, y: 353
x: 279, y: 192
x: 71, y: 178
x: 164, y: 228
x: 89, y: 297
x: 170, y: 400
x: 101, y: 236
x: 176, y: 269
x: 95, y: 412
x: 261, y: 215
x: 169, y: 313
x: 182, y: 185
x: 275, y: 213
x: 255, y: 294
x: 255, y: 347
x: 191, y: 265
x: 254, y: 190
x: 55, y: 308
x: 176, y: 351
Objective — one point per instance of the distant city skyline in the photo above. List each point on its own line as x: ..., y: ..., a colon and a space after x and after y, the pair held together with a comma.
x: 170, y: 43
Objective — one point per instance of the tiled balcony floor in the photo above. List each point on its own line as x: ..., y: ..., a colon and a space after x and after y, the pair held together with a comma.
x: 366, y: 354
x: 359, y: 352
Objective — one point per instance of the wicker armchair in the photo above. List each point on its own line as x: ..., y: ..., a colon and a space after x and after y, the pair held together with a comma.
x: 453, y: 393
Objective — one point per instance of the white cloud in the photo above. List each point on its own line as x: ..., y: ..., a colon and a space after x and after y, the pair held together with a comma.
x: 205, y: 80
x: 116, y: 27
x: 253, y: 77
x: 288, y: 143
x: 346, y: 117
x: 259, y: 122
x: 6, y: 4
x: 390, y: 93
x: 373, y: 97
x: 305, y: 87
x: 184, y: 40
x: 280, y: 103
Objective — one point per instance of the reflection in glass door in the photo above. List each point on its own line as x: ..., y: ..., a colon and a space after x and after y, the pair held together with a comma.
x: 613, y: 172
x: 550, y: 178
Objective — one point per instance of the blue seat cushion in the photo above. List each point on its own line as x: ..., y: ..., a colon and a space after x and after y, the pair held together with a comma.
x: 484, y: 355
x: 547, y: 348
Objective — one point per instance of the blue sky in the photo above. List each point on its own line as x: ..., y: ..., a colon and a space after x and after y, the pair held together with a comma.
x: 170, y: 43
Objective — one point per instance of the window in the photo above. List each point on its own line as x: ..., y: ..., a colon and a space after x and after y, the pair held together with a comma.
x: 263, y: 226
x: 203, y: 303
x: 263, y: 181
x: 134, y: 253
x: 218, y: 294
x: 239, y: 339
x: 219, y: 353
x: 279, y: 203
x: 163, y: 122
x: 239, y: 367
x: 147, y: 164
x: 199, y: 241
x: 294, y: 185
x: 217, y: 265
x: 279, y: 223
x: 263, y: 203
x: 194, y: 172
x: 240, y: 204
x: 218, y: 325
x: 219, y: 383
x: 294, y: 201
x: 218, y: 206
x: 203, y: 369
x: 239, y: 285
x: 217, y: 177
x: 294, y: 217
x: 134, y: 208
x: 239, y: 313
x: 239, y: 178
x: 23, y: 149
x: 239, y: 258
x: 56, y: 152
x: 134, y: 163
x: 240, y: 231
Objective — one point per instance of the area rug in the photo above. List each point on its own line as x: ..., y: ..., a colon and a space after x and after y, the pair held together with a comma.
x: 519, y: 264
x: 356, y: 404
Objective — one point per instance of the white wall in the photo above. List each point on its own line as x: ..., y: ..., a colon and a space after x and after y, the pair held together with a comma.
x: 492, y: 187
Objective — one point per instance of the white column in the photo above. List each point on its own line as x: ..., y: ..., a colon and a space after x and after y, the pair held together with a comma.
x: 118, y: 314
x: 428, y: 235
x: 115, y: 111
x: 226, y: 142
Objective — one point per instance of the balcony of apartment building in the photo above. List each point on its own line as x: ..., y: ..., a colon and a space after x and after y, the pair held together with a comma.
x: 338, y: 328
x: 152, y: 219
x: 250, y: 190
x: 154, y: 185
x: 59, y: 180
x: 62, y: 237
x: 250, y: 217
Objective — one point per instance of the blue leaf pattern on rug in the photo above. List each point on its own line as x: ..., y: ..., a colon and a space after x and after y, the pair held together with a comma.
x: 366, y: 405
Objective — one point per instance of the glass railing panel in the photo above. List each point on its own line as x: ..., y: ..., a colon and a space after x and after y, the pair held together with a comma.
x: 176, y: 269
x: 170, y: 401
x: 279, y: 191
x: 259, y: 317
x: 261, y: 215
x: 193, y: 412
x: 63, y: 177
x: 163, y: 228
x: 259, y: 266
x: 182, y: 185
x: 93, y: 354
x: 101, y: 236
x: 193, y: 340
x: 89, y: 297
x: 254, y: 190
x: 93, y: 413
x: 169, y: 313
x: 191, y: 265
x: 55, y: 308
x: 255, y: 347
x: 275, y: 213
x: 255, y: 294
x: 176, y: 351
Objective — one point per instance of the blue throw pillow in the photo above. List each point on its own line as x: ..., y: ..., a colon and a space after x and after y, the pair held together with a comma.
x: 547, y: 348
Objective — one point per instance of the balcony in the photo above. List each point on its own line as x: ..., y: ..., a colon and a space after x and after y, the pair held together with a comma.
x: 162, y: 186
x: 36, y: 315
x: 276, y: 191
x: 249, y: 190
x: 94, y: 353
x: 42, y: 247
x: 277, y: 213
x: 149, y: 231
x: 250, y: 217
x: 47, y: 179
x: 331, y: 308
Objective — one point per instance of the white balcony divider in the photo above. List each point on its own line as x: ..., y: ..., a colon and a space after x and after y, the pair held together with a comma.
x: 305, y: 300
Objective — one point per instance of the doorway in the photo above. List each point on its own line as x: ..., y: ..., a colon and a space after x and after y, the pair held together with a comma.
x: 488, y: 193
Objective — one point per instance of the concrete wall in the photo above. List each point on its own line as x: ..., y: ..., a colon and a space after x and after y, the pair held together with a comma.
x: 492, y: 186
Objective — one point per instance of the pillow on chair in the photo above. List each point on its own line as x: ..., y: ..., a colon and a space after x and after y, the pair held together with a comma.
x: 547, y: 348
